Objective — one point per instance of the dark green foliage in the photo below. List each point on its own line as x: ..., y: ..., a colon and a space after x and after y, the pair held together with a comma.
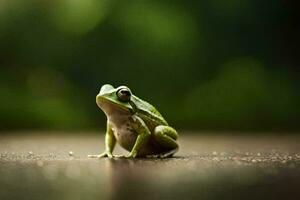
x: 204, y: 64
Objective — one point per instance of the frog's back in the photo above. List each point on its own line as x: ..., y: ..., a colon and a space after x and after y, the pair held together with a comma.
x: 148, y: 113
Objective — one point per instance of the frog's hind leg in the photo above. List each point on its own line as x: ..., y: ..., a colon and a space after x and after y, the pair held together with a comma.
x: 166, y: 137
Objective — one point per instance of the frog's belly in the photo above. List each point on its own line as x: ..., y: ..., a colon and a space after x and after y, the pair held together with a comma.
x: 125, y: 137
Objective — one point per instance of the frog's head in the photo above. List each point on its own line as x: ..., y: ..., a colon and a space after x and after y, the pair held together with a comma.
x: 113, y: 100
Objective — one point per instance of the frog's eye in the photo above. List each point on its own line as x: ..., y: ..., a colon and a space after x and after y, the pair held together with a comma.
x: 124, y: 94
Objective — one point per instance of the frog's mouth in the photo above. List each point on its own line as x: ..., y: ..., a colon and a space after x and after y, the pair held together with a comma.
x: 109, y: 105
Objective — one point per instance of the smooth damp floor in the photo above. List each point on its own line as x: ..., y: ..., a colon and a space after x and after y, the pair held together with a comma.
x: 53, y: 165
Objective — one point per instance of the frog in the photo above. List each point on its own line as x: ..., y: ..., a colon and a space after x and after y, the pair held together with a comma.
x: 134, y: 124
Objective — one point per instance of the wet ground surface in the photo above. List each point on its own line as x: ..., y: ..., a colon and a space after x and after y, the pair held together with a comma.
x: 218, y: 166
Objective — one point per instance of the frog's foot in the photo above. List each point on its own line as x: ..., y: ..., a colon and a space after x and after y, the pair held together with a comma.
x: 169, y: 153
x: 163, y: 155
x: 131, y: 155
x: 119, y: 156
x: 122, y: 156
x: 102, y: 155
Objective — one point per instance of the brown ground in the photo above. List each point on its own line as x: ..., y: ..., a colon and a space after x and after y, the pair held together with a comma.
x: 219, y: 166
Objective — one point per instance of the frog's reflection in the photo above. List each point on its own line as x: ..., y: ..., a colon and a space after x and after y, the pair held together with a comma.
x: 127, y: 179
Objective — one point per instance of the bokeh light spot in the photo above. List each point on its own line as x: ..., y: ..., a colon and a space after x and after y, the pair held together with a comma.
x: 79, y: 16
x: 157, y: 25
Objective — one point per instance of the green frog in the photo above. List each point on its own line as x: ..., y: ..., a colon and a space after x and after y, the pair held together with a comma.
x: 135, y: 125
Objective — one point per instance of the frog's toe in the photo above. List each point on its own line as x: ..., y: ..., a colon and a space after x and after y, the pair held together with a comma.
x: 131, y: 155
x: 167, y: 154
x: 109, y: 155
x: 119, y: 156
x: 102, y: 155
x: 94, y: 156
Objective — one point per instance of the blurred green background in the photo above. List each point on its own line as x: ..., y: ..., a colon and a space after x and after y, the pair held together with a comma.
x: 211, y: 65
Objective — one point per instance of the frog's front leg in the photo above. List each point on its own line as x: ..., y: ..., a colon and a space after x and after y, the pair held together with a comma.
x: 110, y: 142
x: 166, y: 137
x: 144, y: 134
